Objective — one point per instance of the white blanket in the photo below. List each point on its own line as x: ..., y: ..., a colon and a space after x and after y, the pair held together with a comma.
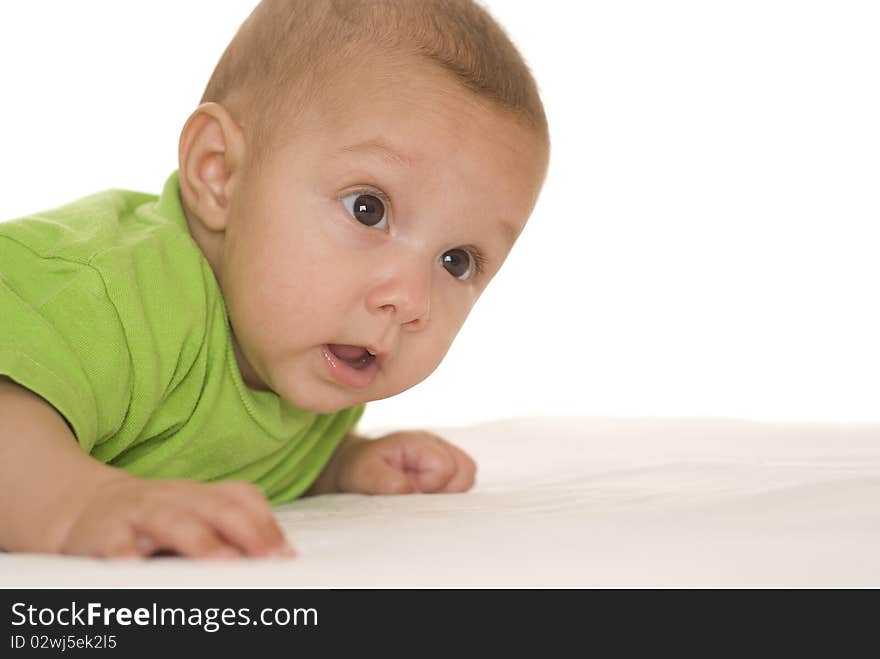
x: 567, y: 502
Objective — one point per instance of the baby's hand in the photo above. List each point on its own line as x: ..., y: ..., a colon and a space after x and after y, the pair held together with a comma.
x: 129, y: 517
x: 402, y: 463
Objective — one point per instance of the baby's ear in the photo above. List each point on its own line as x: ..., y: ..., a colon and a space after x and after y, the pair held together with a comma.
x: 209, y: 154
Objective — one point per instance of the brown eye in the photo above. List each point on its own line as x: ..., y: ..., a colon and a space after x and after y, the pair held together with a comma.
x: 458, y: 262
x: 367, y: 209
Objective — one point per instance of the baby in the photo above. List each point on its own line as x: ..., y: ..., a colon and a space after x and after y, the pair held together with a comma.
x: 356, y: 174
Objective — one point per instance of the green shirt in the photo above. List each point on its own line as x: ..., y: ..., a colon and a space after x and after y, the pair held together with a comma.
x: 110, y: 312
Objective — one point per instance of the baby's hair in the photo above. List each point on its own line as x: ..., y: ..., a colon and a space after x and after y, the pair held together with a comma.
x: 288, y: 51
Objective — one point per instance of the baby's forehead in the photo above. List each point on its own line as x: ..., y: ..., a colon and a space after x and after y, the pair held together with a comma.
x: 416, y: 122
x: 414, y: 103
x: 445, y: 151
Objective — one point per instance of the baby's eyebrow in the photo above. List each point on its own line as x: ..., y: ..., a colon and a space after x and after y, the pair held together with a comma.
x: 392, y: 156
x: 382, y: 149
x: 509, y: 232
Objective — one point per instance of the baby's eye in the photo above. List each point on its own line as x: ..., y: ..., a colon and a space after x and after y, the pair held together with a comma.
x: 368, y: 209
x: 459, y: 263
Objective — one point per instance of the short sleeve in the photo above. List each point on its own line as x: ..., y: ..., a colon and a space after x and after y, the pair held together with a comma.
x: 61, y: 337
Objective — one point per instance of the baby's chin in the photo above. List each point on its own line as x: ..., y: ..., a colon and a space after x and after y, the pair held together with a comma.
x: 322, y: 396
x: 336, y: 401
x: 322, y: 403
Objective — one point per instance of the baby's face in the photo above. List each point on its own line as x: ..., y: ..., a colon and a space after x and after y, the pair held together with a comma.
x: 378, y: 225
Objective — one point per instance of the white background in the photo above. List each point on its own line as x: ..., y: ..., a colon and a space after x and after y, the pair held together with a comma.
x: 706, y: 243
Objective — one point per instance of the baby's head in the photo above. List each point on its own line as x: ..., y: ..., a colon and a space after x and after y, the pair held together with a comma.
x: 357, y: 173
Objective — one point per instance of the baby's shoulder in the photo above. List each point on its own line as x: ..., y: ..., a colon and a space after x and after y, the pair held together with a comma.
x: 118, y: 245
x: 81, y: 229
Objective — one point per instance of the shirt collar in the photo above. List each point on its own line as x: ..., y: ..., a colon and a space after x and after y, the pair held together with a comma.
x: 169, y: 204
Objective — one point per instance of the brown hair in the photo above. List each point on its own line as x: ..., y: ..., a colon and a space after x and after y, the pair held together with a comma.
x: 300, y: 46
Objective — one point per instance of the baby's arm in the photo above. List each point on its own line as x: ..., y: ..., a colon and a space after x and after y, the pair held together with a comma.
x: 55, y: 498
x: 403, y: 462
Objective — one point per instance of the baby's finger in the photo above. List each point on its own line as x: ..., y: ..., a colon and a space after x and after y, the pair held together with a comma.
x: 465, y: 472
x: 237, y: 525
x: 253, y: 501
x: 377, y: 476
x: 185, y: 534
x: 430, y: 465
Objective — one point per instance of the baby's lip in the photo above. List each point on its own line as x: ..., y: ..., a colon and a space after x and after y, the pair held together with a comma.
x: 349, y: 372
x: 378, y: 353
x: 373, y: 349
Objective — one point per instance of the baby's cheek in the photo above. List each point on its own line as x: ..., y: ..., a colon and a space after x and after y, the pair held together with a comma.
x: 402, y: 373
x: 428, y: 363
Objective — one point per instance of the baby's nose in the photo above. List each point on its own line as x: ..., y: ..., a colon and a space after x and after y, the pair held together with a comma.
x: 405, y: 294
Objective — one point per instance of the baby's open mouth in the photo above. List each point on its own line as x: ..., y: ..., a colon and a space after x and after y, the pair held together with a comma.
x: 356, y: 356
